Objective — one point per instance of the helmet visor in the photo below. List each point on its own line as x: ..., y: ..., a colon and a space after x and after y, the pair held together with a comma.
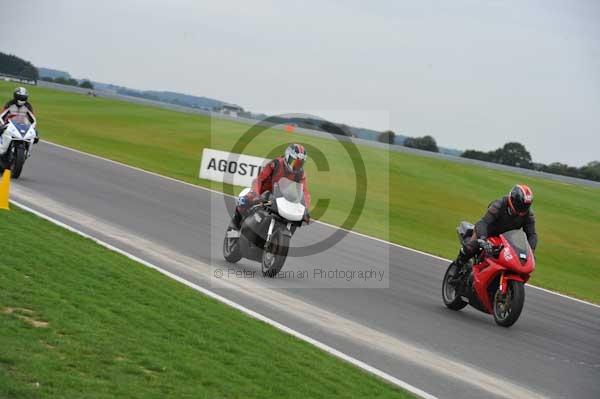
x: 296, y: 164
x: 521, y: 206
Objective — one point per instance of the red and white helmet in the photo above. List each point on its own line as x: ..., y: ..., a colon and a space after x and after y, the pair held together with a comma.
x: 520, y: 199
x: 294, y: 157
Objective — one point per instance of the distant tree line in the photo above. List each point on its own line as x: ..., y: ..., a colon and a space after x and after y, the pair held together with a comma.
x: 511, y: 154
x: 140, y: 94
x: 387, y: 137
x: 591, y: 171
x: 335, y: 128
x: 86, y: 84
x: 13, y: 65
x: 515, y: 154
x: 425, y: 143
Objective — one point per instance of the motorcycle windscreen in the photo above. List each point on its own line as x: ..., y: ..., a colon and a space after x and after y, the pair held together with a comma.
x: 20, y: 119
x: 289, y: 196
x: 21, y: 122
x: 290, y: 190
x: 518, y: 240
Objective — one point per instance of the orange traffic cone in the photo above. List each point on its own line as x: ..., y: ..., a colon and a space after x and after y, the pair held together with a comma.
x: 5, y: 189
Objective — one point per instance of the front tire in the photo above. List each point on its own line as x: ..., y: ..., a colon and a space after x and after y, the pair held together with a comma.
x: 231, y: 249
x: 275, y: 254
x: 507, y: 308
x: 451, y: 298
x: 18, y: 162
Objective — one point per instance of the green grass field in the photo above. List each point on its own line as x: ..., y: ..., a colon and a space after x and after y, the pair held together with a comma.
x: 78, y: 320
x: 412, y: 200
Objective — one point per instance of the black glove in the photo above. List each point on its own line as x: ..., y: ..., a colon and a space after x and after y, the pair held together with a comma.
x: 266, y: 196
x: 486, y: 246
x: 306, y: 217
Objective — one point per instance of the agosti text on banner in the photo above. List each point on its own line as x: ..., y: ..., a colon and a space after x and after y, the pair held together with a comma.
x: 237, y: 169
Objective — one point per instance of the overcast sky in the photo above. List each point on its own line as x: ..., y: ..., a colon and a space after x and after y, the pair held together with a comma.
x: 473, y: 74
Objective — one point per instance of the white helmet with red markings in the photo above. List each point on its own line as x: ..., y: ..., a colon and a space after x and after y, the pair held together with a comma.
x: 294, y: 157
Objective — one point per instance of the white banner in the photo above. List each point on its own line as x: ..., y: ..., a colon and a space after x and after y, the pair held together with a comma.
x: 238, y: 169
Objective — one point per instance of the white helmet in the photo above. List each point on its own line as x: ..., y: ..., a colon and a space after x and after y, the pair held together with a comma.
x: 20, y: 95
x: 294, y: 157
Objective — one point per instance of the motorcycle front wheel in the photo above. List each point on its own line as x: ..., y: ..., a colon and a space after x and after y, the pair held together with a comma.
x: 231, y: 248
x: 275, y: 254
x: 508, y: 307
x: 18, y: 162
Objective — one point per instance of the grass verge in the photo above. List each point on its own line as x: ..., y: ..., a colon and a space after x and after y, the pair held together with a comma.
x: 412, y: 200
x: 81, y: 321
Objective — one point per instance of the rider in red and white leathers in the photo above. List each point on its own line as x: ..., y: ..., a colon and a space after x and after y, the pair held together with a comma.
x: 290, y: 166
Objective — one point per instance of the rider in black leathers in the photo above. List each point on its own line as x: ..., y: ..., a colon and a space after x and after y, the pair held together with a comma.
x: 508, y: 213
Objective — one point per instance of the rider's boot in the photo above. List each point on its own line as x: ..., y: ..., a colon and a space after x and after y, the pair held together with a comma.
x: 4, y: 164
x: 236, y: 220
x: 5, y: 140
x: 462, y: 261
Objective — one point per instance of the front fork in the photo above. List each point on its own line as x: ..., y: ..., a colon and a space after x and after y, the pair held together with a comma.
x: 270, y: 233
x: 14, y: 145
x: 506, y: 277
x: 28, y: 146
x: 502, y: 285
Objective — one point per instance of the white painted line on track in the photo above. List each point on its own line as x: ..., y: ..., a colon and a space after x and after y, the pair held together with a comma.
x: 317, y: 221
x: 326, y: 348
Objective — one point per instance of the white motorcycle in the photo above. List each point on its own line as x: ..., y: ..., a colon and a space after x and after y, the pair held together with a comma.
x: 266, y: 232
x: 22, y: 135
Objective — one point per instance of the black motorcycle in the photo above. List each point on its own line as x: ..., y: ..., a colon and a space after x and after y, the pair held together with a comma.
x: 267, y: 229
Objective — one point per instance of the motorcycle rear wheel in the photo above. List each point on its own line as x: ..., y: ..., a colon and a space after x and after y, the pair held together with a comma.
x: 507, y: 308
x: 451, y: 298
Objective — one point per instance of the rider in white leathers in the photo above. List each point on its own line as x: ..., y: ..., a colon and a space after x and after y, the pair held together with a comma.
x: 17, y: 106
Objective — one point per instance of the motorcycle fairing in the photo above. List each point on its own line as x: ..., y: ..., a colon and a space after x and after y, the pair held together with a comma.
x: 290, y: 210
x: 509, y: 265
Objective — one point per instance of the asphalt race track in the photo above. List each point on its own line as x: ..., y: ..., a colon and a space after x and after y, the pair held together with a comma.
x: 404, y: 330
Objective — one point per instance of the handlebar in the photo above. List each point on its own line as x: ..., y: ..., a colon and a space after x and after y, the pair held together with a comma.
x: 490, y: 249
x: 496, y: 250
x: 260, y: 203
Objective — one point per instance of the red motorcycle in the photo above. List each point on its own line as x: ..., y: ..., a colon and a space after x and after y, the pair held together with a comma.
x: 497, y: 282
